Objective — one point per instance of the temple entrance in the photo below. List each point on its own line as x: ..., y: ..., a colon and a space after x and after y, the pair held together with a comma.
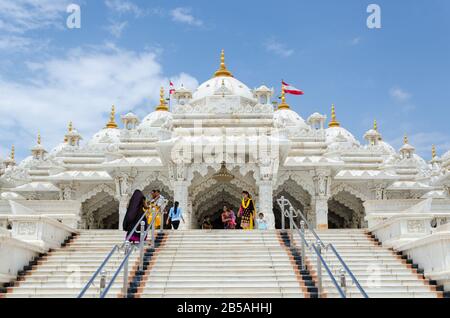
x: 300, y: 199
x: 209, y: 196
x: 100, y: 211
x: 345, y: 211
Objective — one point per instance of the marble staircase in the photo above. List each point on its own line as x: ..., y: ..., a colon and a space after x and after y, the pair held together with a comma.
x: 223, y: 264
x: 382, y: 272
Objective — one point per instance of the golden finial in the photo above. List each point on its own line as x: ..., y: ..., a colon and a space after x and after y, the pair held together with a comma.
x: 333, y: 122
x: 375, y: 125
x: 70, y: 127
x: 283, y: 104
x: 162, y: 101
x: 223, y: 71
x: 69, y: 130
x: 13, y: 153
x: 433, y: 152
x: 39, y: 138
x: 112, y: 119
x: 405, y: 139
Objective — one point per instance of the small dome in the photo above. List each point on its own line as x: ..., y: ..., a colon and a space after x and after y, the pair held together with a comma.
x: 130, y: 116
x: 263, y: 89
x: 288, y: 118
x: 386, y: 148
x: 106, y: 136
x: 26, y: 163
x: 231, y: 85
x: 340, y: 137
x: 157, y: 119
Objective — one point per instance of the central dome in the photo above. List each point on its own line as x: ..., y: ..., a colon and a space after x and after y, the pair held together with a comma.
x: 222, y: 85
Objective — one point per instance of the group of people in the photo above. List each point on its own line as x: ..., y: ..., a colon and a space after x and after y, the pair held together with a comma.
x: 246, y: 214
x: 142, y: 208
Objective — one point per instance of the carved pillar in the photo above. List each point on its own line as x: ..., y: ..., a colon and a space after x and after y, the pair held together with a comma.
x: 181, y: 195
x: 178, y: 174
x: 266, y: 202
x: 123, y: 205
x: 319, y: 202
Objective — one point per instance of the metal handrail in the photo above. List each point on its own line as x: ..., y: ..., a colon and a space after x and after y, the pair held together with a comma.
x: 99, y: 269
x: 322, y: 260
x: 335, y: 283
x: 113, y: 279
x: 132, y: 249
x: 282, y: 202
x: 115, y: 248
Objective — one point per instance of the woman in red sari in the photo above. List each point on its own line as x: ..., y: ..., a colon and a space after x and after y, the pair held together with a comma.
x: 247, y: 211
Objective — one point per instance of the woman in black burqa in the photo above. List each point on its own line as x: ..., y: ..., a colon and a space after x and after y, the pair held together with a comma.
x: 135, y: 211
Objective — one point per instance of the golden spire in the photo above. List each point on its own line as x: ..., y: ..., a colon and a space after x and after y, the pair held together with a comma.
x: 39, y: 138
x: 162, y: 101
x: 223, y: 71
x: 112, y: 119
x: 283, y: 104
x: 375, y: 125
x: 69, y: 130
x: 433, y: 152
x: 405, y: 139
x: 13, y: 153
x: 333, y: 122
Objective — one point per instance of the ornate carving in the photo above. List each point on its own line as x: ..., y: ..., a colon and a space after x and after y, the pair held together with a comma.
x: 97, y: 189
x: 415, y: 226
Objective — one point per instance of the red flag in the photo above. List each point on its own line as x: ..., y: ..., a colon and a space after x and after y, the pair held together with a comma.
x: 288, y: 89
x: 172, y: 88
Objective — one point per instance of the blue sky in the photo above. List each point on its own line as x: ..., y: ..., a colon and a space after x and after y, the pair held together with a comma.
x: 125, y: 50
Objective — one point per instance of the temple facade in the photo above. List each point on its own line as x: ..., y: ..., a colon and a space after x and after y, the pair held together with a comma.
x: 210, y: 145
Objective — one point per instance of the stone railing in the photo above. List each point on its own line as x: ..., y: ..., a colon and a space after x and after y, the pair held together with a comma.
x: 14, y: 255
x: 67, y: 212
x: 402, y: 229
x: 432, y: 252
x: 39, y: 230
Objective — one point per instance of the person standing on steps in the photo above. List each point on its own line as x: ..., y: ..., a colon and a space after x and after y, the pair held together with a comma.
x: 175, y: 216
x: 228, y: 219
x: 156, y: 206
x: 247, y: 211
x: 261, y: 223
x: 136, y: 209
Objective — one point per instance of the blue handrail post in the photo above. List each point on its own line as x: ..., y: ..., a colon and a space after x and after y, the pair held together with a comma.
x: 125, y: 270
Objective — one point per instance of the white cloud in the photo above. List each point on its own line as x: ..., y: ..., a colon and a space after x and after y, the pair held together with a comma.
x: 80, y: 87
x: 400, y: 95
x: 116, y: 28
x: 13, y: 43
x: 183, y: 15
x: 278, y: 48
x: 124, y: 7
x: 19, y: 16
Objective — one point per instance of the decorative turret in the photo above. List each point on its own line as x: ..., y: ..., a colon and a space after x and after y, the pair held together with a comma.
x: 406, y: 151
x: 182, y: 95
x: 223, y: 71
x: 435, y: 160
x: 162, y: 102
x: 11, y: 161
x: 130, y: 121
x: 284, y: 104
x: 263, y: 94
x: 333, y: 122
x: 112, y: 119
x: 372, y: 135
x: 72, y: 137
x: 38, y: 151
